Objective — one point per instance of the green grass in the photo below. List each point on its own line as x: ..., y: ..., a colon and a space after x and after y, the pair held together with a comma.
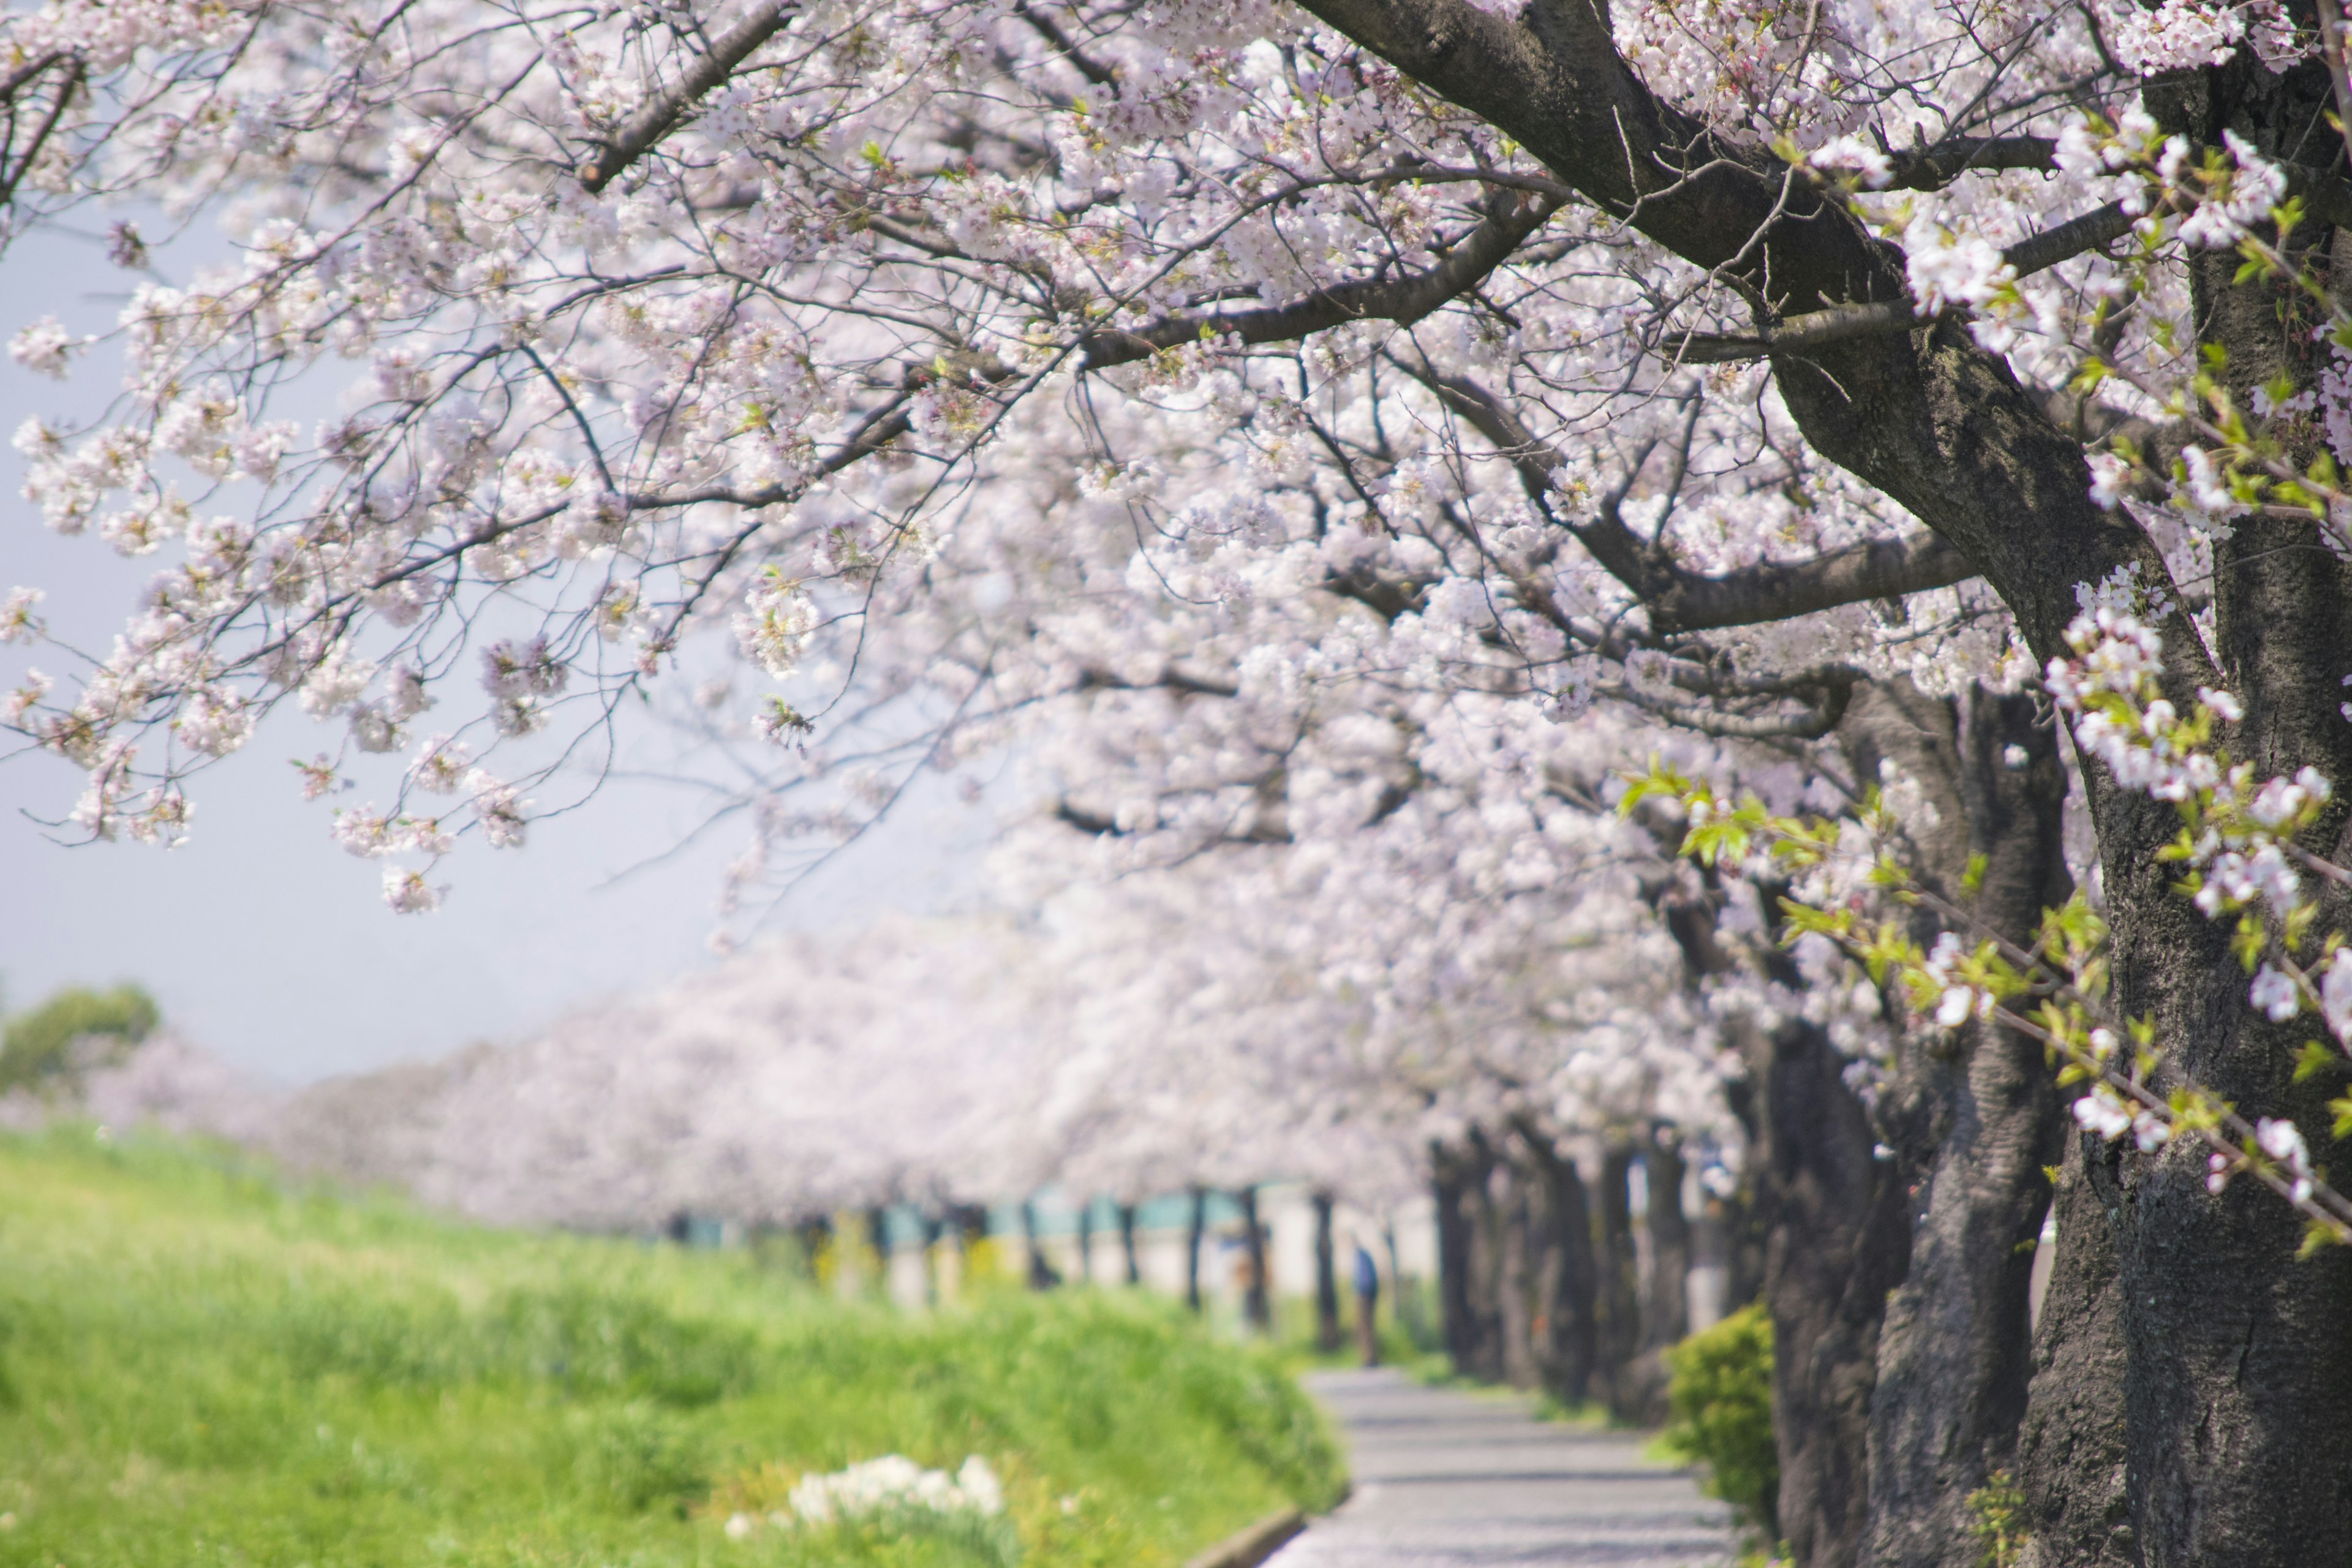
x: 199, y: 1366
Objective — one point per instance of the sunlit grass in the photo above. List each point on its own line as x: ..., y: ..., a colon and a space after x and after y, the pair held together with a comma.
x: 199, y: 1365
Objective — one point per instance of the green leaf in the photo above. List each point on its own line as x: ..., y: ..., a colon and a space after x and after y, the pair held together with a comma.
x: 2314, y: 1059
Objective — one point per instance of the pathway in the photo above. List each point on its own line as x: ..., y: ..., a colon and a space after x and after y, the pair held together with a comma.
x: 1448, y: 1480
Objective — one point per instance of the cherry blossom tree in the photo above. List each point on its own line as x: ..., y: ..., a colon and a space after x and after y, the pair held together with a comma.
x: 1732, y: 367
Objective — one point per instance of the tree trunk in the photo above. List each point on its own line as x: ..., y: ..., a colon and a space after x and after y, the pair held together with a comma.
x: 1087, y: 1242
x: 2069, y: 1451
x: 1127, y: 1243
x: 1836, y: 1236
x: 1486, y: 1270
x: 1042, y: 1275
x: 878, y: 1242
x: 1639, y: 1395
x: 1328, y: 1337
x: 2238, y: 1387
x: 1617, y: 1299
x: 1974, y: 1117
x: 1445, y: 1183
x: 1195, y: 1229
x: 1821, y: 1238
x: 1668, y: 1319
x: 1564, y: 1282
x: 2230, y: 1360
x: 1257, y: 1309
x: 933, y: 1227
x: 1515, y: 1275
x: 1473, y: 1338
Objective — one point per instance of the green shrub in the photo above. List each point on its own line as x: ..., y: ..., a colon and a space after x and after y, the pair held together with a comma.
x: 39, y: 1048
x: 1719, y: 1405
x: 1997, y: 1520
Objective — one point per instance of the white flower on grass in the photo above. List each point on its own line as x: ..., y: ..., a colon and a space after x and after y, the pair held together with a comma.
x: 890, y: 1484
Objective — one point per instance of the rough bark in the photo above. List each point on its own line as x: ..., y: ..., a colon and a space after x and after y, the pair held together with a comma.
x: 1836, y: 1236
x: 1927, y: 415
x: 1974, y: 1117
x: 1328, y: 1337
x: 1821, y: 1238
x: 2236, y: 1367
x: 2070, y: 1450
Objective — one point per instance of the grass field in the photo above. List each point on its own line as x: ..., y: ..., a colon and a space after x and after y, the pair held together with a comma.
x: 201, y: 1366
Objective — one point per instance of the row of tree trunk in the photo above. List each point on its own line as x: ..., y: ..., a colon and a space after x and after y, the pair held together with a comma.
x: 1549, y: 1280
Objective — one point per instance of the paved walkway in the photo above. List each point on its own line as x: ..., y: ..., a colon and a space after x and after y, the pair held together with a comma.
x: 1447, y: 1480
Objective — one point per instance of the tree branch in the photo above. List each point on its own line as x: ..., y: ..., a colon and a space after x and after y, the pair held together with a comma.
x: 660, y: 115
x: 1933, y: 168
x: 1931, y: 420
x: 1680, y: 601
x: 1403, y: 301
x: 1064, y: 44
x: 1814, y: 328
x: 1835, y: 687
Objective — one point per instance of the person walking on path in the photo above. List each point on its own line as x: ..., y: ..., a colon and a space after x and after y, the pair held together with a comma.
x: 1368, y: 1298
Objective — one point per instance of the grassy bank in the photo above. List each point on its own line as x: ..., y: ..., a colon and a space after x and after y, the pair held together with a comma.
x: 200, y: 1367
